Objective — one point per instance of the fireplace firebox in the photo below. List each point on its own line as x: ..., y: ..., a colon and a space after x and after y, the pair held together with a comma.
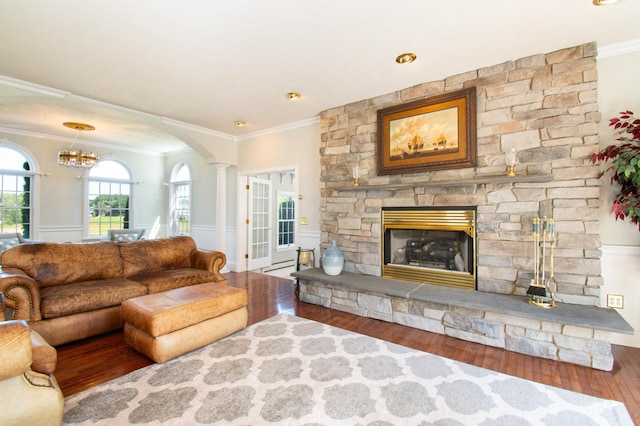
x: 433, y: 245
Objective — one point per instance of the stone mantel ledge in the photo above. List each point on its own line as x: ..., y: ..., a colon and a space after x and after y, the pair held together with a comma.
x: 478, y: 180
x: 576, y: 334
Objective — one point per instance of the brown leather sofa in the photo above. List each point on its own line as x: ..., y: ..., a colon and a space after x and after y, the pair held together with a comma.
x: 71, y: 291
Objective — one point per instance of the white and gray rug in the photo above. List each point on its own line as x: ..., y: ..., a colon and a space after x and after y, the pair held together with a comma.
x: 289, y: 370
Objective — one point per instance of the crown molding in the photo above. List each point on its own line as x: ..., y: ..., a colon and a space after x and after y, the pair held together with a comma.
x: 33, y: 87
x: 278, y: 129
x: 617, y: 49
x: 195, y: 128
x: 81, y: 141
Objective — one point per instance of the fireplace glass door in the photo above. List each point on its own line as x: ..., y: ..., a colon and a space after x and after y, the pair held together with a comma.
x: 434, y: 246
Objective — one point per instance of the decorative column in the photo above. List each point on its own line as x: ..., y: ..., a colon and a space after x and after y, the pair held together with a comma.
x: 221, y: 204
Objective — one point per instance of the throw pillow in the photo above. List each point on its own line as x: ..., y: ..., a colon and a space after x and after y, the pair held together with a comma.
x: 125, y: 236
x: 6, y: 243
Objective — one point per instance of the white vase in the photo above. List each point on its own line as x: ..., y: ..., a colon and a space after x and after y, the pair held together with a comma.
x: 332, y: 259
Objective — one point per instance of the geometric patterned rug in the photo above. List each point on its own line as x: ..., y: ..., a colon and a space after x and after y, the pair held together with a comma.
x: 294, y: 371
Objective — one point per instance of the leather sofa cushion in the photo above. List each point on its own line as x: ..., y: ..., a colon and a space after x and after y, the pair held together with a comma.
x: 173, y: 278
x: 147, y: 256
x: 54, y: 263
x: 45, y: 356
x: 86, y: 296
x: 15, y: 349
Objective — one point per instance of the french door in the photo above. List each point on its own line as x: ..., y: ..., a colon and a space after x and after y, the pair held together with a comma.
x: 259, y: 233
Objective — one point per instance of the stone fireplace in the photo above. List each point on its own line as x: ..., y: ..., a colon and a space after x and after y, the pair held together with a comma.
x: 430, y: 245
x: 545, y: 107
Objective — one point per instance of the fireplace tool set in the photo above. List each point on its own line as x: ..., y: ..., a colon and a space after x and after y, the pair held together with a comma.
x: 543, y: 284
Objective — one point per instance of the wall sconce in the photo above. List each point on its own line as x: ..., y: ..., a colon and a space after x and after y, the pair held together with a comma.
x: 511, y: 159
x: 356, y: 176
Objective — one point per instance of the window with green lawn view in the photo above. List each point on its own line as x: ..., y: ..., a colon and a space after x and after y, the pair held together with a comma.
x: 109, y: 196
x: 16, y: 191
x: 286, y: 219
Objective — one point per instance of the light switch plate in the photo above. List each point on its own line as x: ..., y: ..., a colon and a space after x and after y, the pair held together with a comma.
x: 615, y: 301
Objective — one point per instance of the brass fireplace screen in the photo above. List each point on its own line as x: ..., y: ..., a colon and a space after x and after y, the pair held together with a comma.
x: 430, y: 245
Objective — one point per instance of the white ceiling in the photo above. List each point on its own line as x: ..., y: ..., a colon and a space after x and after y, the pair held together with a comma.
x: 135, y: 68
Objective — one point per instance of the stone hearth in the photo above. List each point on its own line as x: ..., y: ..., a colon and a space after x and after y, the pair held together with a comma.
x: 570, y: 333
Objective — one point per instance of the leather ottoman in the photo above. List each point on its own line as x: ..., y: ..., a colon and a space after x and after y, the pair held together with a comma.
x: 171, y: 323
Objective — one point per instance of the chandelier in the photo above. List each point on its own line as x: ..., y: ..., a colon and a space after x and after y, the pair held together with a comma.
x: 76, y: 158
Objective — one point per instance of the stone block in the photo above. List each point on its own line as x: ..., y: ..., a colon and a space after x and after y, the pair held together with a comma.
x: 573, y: 343
x: 574, y: 357
x: 316, y: 300
x: 433, y: 314
x: 530, y: 347
x: 488, y: 329
x: 551, y: 327
x: 351, y: 310
x: 604, y: 363
x: 514, y: 330
x: 511, y: 320
x: 344, y: 302
x: 387, y: 317
x: 581, y: 332
x: 374, y: 303
x: 324, y: 292
x: 421, y: 323
x: 473, y: 337
x: 541, y: 336
x: 461, y: 311
x: 400, y: 305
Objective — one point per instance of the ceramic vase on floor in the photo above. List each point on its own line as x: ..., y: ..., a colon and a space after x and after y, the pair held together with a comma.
x: 332, y: 259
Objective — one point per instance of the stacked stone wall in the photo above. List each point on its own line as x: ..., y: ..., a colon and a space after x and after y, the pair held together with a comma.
x: 544, y: 106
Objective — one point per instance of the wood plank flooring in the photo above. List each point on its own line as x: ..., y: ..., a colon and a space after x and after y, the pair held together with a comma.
x: 85, y: 364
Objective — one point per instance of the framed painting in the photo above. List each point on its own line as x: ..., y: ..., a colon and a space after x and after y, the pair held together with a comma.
x: 436, y: 133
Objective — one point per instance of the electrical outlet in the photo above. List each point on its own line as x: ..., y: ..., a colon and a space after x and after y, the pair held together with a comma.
x: 615, y: 301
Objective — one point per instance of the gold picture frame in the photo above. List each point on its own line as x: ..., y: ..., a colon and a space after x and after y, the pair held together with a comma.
x: 436, y: 133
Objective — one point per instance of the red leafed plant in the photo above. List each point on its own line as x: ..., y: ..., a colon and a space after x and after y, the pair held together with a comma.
x: 625, y: 165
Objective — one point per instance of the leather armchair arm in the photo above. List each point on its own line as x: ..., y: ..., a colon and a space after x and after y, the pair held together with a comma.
x: 21, y: 293
x: 209, y: 260
x: 15, y: 349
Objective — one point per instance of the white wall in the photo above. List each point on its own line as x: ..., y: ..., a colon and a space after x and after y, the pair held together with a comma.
x: 286, y: 147
x: 618, y: 90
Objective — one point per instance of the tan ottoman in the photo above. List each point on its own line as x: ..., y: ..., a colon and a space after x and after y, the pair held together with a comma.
x: 168, y: 324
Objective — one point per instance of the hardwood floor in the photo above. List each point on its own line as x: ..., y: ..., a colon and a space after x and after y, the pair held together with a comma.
x: 84, y: 364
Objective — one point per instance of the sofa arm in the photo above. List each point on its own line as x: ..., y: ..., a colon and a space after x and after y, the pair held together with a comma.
x: 15, y: 349
x: 209, y: 260
x: 21, y: 293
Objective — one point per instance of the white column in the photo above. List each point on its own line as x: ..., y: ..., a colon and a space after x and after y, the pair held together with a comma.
x: 221, y: 207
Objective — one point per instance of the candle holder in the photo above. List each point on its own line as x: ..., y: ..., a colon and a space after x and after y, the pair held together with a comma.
x: 543, y: 284
x: 511, y: 159
x: 356, y: 176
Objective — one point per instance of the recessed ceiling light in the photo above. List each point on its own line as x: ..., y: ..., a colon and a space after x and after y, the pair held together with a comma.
x: 406, y: 58
x: 292, y: 96
x: 240, y: 123
x: 604, y: 2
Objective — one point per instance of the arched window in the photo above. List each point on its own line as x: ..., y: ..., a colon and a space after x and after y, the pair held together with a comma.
x: 109, y: 197
x: 16, y: 191
x: 181, y: 200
